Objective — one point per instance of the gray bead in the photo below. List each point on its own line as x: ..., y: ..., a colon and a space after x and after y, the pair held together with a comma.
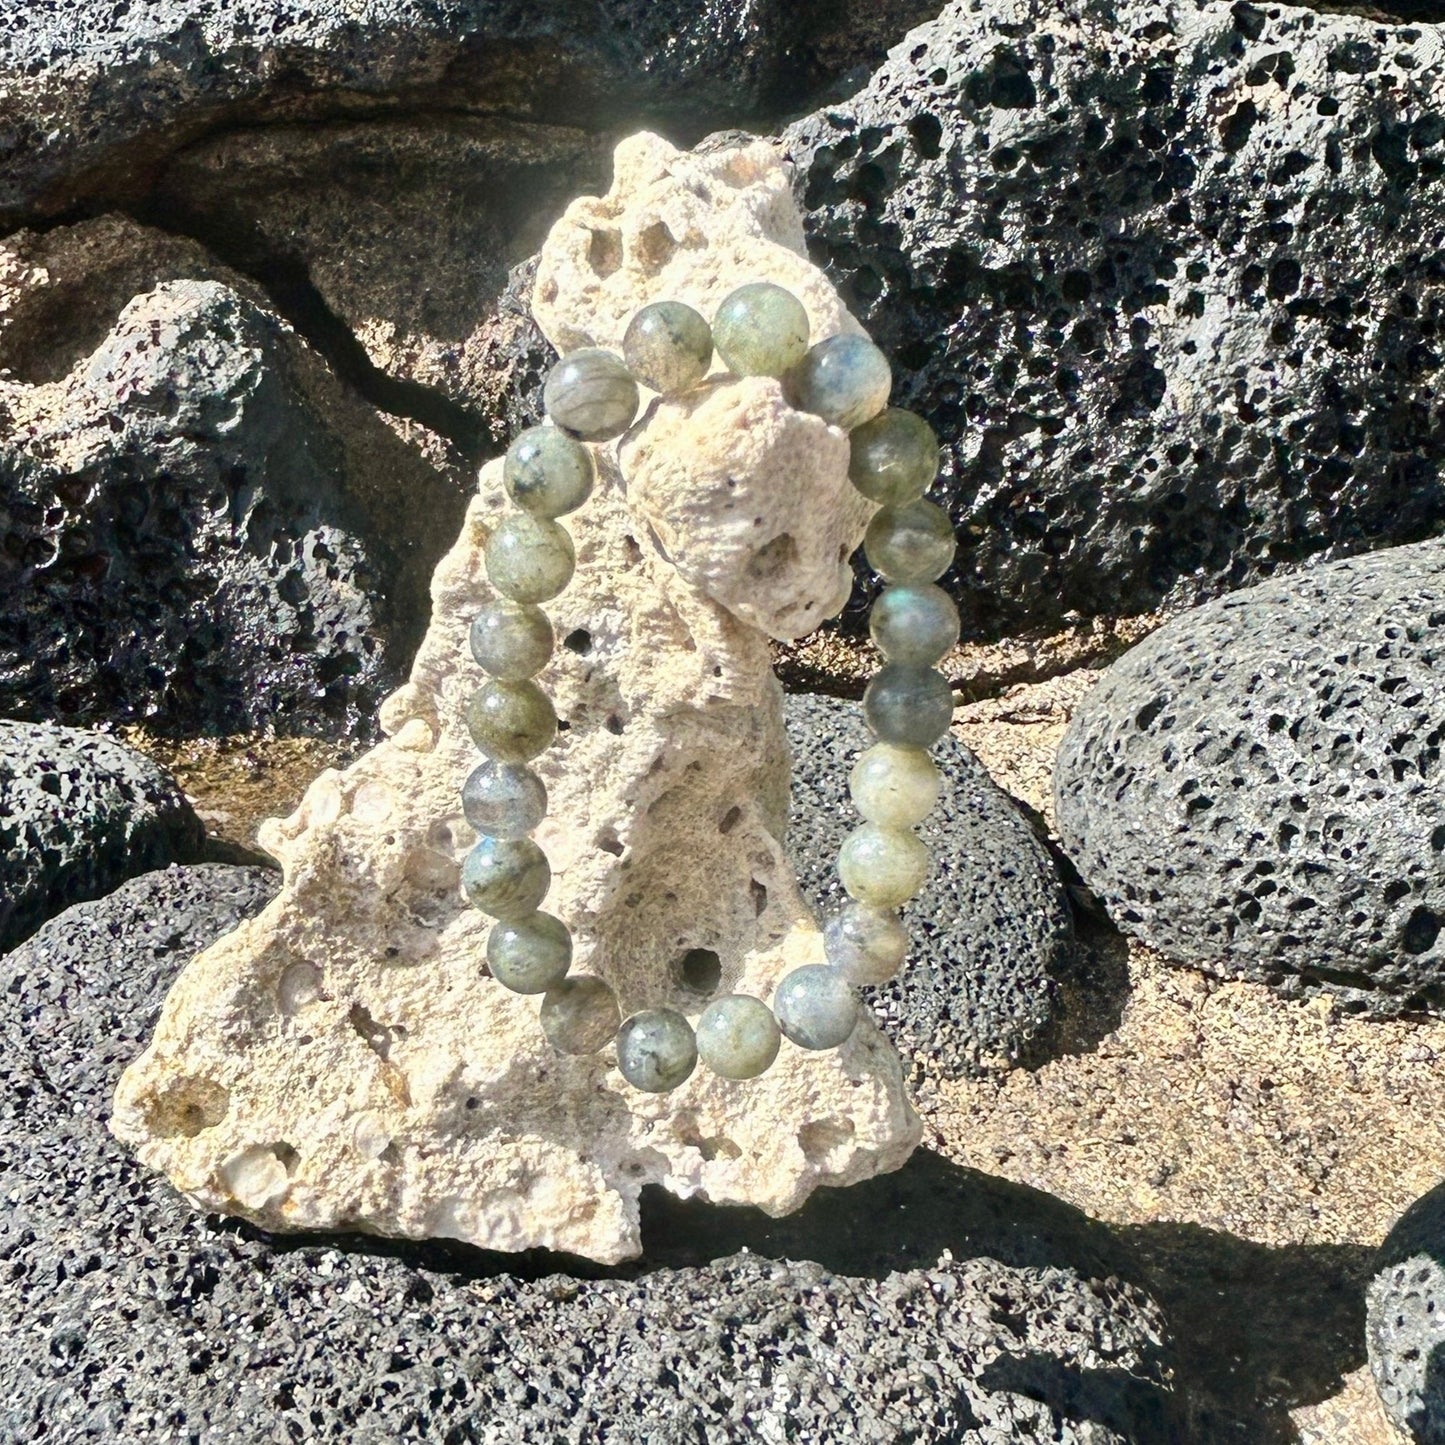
x: 529, y: 559
x: 656, y: 1050
x: 844, y: 379
x: 816, y: 1007
x: 914, y: 624
x: 504, y: 800
x: 529, y: 954
x: 909, y: 706
x: 761, y: 330
x: 893, y: 458
x: 591, y: 394
x: 506, y: 877
x: 738, y: 1037
x: 911, y: 543
x: 511, y: 640
x: 866, y: 945
x: 580, y: 1015
x: 668, y: 346
x: 511, y: 721
x: 547, y: 472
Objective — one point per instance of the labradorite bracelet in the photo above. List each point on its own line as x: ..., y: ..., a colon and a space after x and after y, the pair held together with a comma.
x: 592, y: 395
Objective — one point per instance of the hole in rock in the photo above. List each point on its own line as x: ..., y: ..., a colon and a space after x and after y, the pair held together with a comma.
x: 759, y: 892
x: 773, y: 558
x: 613, y: 724
x: 185, y: 1106
x: 1421, y: 929
x: 609, y: 842
x: 579, y: 641
x: 730, y: 820
x: 604, y: 252
x: 656, y: 246
x: 699, y: 970
x: 376, y: 1035
x: 818, y: 1139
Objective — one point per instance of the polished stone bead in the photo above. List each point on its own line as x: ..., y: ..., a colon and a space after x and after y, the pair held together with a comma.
x: 656, y: 1050
x: 896, y: 787
x: 866, y: 945
x: 580, y: 1015
x: 760, y: 330
x: 511, y: 721
x: 547, y: 472
x: 591, y: 394
x: 511, y: 640
x: 816, y: 1007
x: 882, y: 867
x: 912, y: 543
x: 738, y: 1037
x: 909, y: 706
x: 529, y: 954
x: 504, y: 800
x: 506, y: 877
x: 529, y: 559
x: 845, y: 380
x: 893, y: 458
x: 915, y: 624
x: 668, y: 347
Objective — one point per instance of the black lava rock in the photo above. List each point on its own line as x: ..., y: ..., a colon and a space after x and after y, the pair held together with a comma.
x: 1164, y: 278
x: 1255, y: 789
x: 79, y: 814
x: 990, y: 933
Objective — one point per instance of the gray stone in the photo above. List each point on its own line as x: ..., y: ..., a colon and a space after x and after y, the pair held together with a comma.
x: 990, y: 933
x: 1254, y: 790
x: 1165, y: 279
x: 79, y: 814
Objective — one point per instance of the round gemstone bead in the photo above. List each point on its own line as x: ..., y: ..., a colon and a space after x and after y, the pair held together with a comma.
x: 761, y: 330
x: 909, y: 706
x: 529, y: 954
x: 511, y: 640
x: 668, y: 347
x: 914, y: 625
x: 579, y: 1015
x: 504, y: 800
x: 511, y: 721
x: 816, y: 1007
x: 547, y: 472
x: 656, y: 1050
x: 895, y: 787
x: 529, y: 559
x: 506, y: 877
x: 911, y: 543
x: 866, y: 945
x: 738, y: 1037
x: 894, y: 457
x: 591, y: 394
x: 882, y: 867
x: 845, y: 380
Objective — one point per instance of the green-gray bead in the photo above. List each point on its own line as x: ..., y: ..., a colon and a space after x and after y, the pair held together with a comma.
x: 504, y: 800
x: 738, y: 1037
x: 893, y: 458
x: 815, y: 1007
x: 911, y: 543
x: 529, y: 559
x: 883, y: 867
x: 844, y: 379
x: 866, y: 945
x: 511, y: 640
x: 591, y: 394
x: 668, y: 347
x: 529, y: 954
x: 894, y: 786
x: 911, y: 707
x: 506, y: 877
x: 579, y: 1015
x: 656, y: 1050
x: 915, y: 624
x: 547, y: 472
x: 511, y: 721
x: 760, y: 330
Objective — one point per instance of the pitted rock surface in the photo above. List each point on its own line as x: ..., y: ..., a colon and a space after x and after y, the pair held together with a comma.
x: 1164, y: 278
x: 989, y: 934
x: 1255, y: 788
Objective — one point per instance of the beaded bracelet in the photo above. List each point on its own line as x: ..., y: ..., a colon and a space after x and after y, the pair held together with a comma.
x: 592, y: 395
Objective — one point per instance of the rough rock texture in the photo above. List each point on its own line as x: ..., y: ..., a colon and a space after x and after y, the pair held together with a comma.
x: 990, y: 933
x: 342, y: 1059
x: 1254, y: 789
x: 79, y: 813
x: 1166, y: 279
x: 199, y: 523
